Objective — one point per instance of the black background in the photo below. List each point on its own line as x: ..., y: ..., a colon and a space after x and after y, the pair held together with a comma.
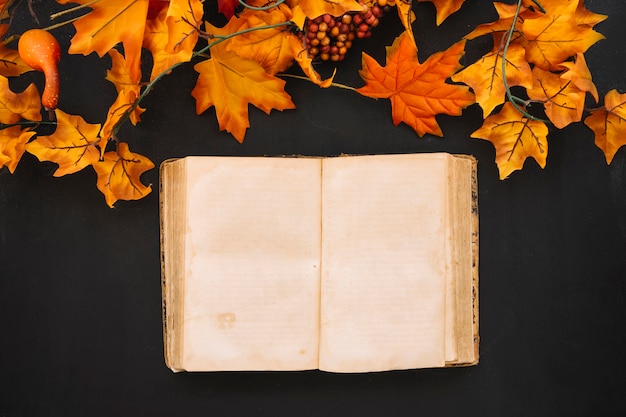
x: 80, y: 283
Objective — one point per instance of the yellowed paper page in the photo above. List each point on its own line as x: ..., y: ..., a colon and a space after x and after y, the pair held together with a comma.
x: 383, y: 263
x: 253, y: 263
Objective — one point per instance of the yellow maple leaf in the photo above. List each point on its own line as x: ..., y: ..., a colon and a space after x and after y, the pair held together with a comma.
x: 579, y: 74
x: 73, y: 145
x: 119, y: 175
x: 16, y: 106
x: 554, y: 37
x: 11, y: 65
x: 407, y: 16
x: 108, y: 23
x: 485, y: 75
x: 13, y: 141
x: 418, y: 92
x: 270, y: 46
x: 609, y: 124
x: 515, y: 138
x: 563, y: 100
x: 445, y: 8
x: 231, y: 83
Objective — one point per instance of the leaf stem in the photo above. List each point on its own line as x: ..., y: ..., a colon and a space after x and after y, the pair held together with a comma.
x: 300, y: 77
x: 72, y: 9
x: 514, y: 100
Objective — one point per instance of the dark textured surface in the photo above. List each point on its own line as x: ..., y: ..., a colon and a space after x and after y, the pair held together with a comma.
x: 80, y: 283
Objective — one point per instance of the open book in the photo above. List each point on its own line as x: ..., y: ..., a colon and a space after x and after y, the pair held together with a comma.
x: 343, y: 264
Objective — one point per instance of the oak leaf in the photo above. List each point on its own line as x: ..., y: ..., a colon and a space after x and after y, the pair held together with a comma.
x: 445, y: 8
x: 73, y: 145
x: 486, y: 79
x: 609, y: 124
x: 108, y: 23
x: 418, y: 92
x: 515, y: 138
x: 554, y: 37
x: 13, y: 141
x: 17, y: 106
x: 119, y: 175
x: 231, y: 83
x: 11, y: 65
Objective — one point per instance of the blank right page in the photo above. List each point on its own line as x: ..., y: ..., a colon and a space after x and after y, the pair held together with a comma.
x: 383, y: 262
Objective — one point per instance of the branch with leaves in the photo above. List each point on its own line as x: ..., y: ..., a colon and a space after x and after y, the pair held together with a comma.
x: 538, y: 50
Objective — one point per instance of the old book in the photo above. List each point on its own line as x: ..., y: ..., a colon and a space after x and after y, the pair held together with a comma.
x: 343, y: 264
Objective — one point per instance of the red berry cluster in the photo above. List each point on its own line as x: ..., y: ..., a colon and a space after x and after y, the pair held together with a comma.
x: 328, y: 37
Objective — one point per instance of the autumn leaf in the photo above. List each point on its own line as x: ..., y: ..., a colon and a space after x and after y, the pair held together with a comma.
x: 445, y: 8
x: 563, y: 99
x: 554, y: 37
x: 11, y: 65
x: 485, y: 75
x: 269, y: 46
x: 72, y: 145
x: 16, y: 106
x: 119, y: 175
x: 609, y: 124
x: 183, y: 18
x: 128, y: 90
x: 111, y: 22
x: 315, y: 8
x: 418, y: 92
x: 515, y: 138
x: 579, y: 74
x: 230, y: 83
x: 506, y: 14
x: 407, y: 17
x: 155, y: 40
x: 13, y: 141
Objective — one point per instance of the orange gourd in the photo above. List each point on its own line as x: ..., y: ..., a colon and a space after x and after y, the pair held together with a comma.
x: 40, y: 50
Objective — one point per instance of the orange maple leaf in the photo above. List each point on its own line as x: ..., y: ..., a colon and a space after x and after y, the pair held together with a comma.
x: 554, y: 37
x: 13, y: 141
x: 155, y: 40
x: 11, y: 65
x: 445, y: 8
x: 407, y: 16
x: 418, y: 92
x: 609, y: 124
x: 579, y: 74
x: 128, y: 90
x: 230, y: 83
x: 506, y: 14
x: 73, y: 145
x: 315, y: 8
x: 111, y: 22
x: 16, y: 106
x: 485, y: 75
x: 515, y: 138
x: 183, y: 18
x: 119, y: 175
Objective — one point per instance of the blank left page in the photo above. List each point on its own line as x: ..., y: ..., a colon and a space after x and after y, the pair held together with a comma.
x: 253, y: 261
